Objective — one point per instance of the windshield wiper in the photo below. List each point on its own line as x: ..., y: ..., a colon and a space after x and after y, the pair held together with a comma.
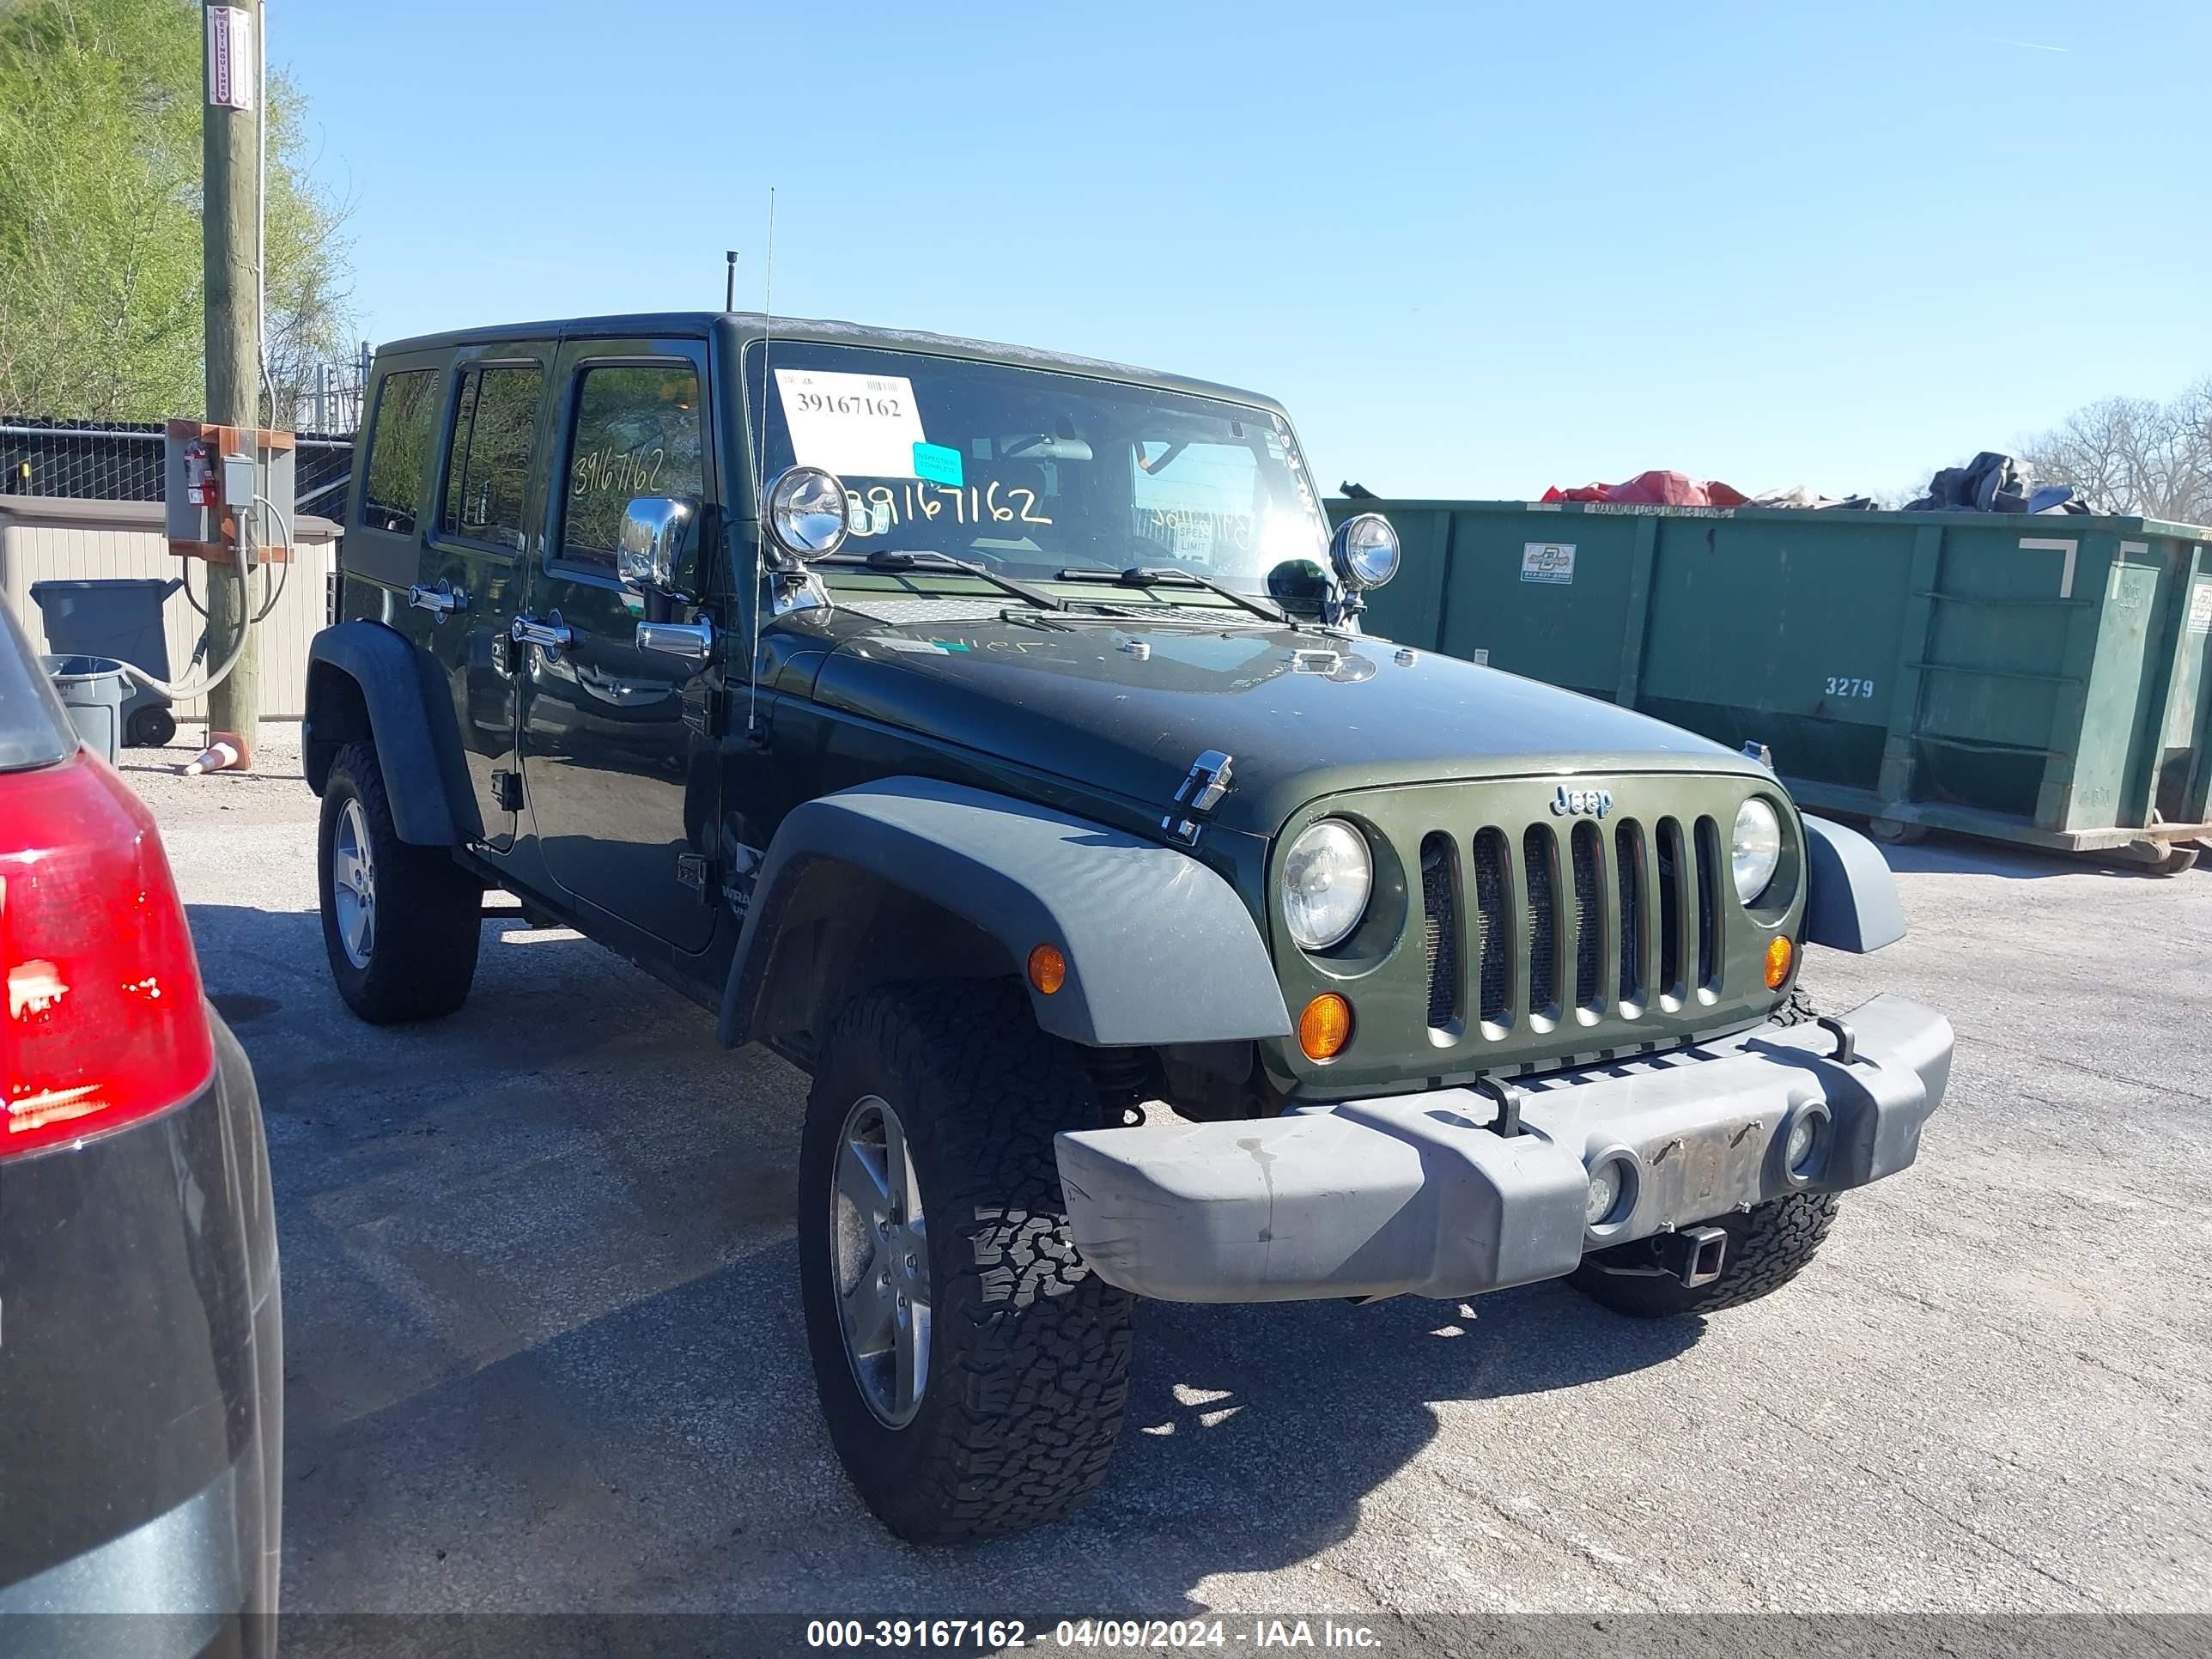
x: 1153, y: 576
x: 894, y: 559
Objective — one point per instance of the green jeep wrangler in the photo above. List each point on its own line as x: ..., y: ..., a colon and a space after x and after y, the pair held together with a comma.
x: 991, y: 733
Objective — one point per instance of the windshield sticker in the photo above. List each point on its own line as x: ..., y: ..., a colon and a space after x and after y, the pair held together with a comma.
x: 863, y: 423
x: 938, y: 463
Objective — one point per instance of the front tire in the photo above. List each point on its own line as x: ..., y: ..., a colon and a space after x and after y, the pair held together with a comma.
x: 973, y: 1370
x: 1768, y: 1246
x: 401, y: 923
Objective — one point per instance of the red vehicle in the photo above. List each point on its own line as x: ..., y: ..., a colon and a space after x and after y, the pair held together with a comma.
x: 141, y: 1343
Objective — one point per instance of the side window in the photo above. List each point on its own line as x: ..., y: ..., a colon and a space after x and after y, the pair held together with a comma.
x: 487, y: 468
x: 398, y: 443
x: 637, y: 433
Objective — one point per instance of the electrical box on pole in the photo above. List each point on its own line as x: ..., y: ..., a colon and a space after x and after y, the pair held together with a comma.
x: 211, y: 476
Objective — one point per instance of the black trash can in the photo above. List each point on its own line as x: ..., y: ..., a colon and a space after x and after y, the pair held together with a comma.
x: 119, y: 617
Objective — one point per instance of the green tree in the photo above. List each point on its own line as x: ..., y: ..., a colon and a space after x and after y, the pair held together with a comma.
x: 99, y: 217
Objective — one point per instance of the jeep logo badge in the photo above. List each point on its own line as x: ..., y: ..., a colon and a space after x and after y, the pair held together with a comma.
x: 1577, y: 802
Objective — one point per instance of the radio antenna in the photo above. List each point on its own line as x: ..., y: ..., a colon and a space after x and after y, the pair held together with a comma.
x: 730, y: 282
x: 759, y: 466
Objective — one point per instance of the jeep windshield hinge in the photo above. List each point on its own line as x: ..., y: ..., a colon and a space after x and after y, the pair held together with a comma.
x: 692, y: 870
x: 1199, y: 794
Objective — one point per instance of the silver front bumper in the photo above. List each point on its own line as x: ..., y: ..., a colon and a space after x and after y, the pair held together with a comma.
x: 1418, y: 1193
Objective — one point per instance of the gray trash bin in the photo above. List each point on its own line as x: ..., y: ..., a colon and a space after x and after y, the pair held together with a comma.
x: 119, y: 617
x: 92, y: 690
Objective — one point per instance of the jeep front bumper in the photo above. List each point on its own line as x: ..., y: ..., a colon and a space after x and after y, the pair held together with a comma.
x: 1419, y: 1192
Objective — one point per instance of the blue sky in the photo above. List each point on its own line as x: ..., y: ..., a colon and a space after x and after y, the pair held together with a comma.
x: 1477, y: 249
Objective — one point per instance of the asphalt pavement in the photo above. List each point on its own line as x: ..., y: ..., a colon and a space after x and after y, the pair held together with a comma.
x: 544, y: 1352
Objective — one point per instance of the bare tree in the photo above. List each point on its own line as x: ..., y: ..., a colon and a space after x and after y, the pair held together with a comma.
x: 2134, y: 456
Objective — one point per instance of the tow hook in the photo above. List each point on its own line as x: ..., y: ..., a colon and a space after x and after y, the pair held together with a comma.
x: 1509, y: 1105
x: 1693, y: 1256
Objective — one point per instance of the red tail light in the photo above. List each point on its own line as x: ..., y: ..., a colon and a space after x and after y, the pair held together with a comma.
x: 103, y: 1017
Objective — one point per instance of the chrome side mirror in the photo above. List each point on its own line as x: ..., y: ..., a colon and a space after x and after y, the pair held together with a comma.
x: 653, y: 529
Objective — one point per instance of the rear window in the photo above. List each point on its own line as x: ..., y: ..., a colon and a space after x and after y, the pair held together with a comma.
x: 399, y: 441
x: 33, y: 731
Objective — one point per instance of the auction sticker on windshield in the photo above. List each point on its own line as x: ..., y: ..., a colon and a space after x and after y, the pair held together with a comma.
x: 864, y: 425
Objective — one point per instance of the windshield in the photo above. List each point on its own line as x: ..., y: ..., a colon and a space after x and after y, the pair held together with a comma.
x: 1033, y: 472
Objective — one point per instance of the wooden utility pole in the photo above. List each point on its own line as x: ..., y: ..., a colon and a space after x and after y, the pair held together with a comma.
x: 230, y: 224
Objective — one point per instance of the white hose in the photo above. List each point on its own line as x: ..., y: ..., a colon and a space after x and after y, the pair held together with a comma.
x: 245, y: 620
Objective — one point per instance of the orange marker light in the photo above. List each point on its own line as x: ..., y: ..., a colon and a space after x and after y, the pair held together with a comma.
x: 1777, y: 963
x: 1326, y: 1026
x: 1048, y: 968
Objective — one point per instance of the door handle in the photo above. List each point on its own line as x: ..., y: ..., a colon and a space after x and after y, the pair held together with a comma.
x: 693, y: 641
x: 440, y: 601
x: 551, y: 636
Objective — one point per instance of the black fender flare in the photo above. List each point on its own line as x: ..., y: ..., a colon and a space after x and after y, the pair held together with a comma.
x: 366, y: 681
x: 1158, y: 948
x: 1850, y: 896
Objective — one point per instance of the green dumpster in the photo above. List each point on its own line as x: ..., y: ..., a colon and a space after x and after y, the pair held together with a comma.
x: 2035, y: 679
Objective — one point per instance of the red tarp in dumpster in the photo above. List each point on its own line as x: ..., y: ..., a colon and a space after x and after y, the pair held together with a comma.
x: 1656, y: 490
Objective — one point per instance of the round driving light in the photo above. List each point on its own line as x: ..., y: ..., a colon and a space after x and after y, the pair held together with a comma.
x: 1606, y: 1183
x: 1326, y: 876
x: 1805, y: 1147
x: 1777, y: 963
x: 807, y: 512
x: 1048, y: 968
x: 1325, y: 1027
x: 1754, y: 847
x: 1364, y: 551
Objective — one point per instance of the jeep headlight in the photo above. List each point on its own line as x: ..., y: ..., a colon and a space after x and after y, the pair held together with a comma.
x: 1754, y: 849
x: 1326, y: 876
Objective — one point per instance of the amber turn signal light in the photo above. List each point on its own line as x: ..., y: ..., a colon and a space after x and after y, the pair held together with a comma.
x: 1777, y: 963
x: 1048, y: 968
x: 1325, y: 1027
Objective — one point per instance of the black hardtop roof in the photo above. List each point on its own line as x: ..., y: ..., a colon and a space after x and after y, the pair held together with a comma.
x: 744, y: 326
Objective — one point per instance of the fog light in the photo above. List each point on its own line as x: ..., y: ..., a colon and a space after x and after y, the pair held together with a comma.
x: 1048, y: 968
x: 1802, y: 1149
x: 1777, y: 963
x: 1325, y: 1027
x: 1608, y: 1184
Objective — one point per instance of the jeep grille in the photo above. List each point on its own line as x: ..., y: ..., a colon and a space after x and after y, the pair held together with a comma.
x: 1533, y: 939
x: 1586, y: 906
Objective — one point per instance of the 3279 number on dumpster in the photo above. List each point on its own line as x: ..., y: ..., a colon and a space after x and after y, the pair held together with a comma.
x: 1547, y: 562
x: 1849, y: 685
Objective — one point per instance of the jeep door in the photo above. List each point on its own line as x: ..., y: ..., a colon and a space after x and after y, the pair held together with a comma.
x: 443, y: 504
x: 616, y: 759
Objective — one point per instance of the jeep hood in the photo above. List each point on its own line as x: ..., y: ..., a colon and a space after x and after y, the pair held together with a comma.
x: 1127, y: 708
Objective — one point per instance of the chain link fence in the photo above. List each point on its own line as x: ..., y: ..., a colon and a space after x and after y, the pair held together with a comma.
x: 121, y: 460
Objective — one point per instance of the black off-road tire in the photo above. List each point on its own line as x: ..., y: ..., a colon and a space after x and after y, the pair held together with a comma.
x: 1767, y: 1247
x: 1028, y: 1374
x: 429, y: 910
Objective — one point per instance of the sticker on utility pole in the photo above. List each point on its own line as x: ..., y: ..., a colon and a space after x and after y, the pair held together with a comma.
x: 864, y: 426
x: 1547, y: 562
x: 231, y: 64
x: 2200, y: 608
